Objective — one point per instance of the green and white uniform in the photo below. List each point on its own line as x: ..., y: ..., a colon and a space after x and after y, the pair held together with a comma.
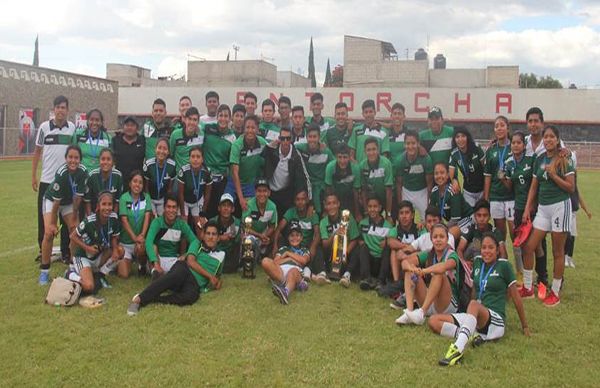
x: 325, y: 124
x: 92, y: 233
x: 502, y: 201
x: 260, y: 221
x: 471, y: 167
x: 473, y: 237
x: 438, y: 146
x: 290, y: 264
x: 152, y: 133
x: 343, y: 182
x: 233, y: 229
x: 135, y: 212
x: 316, y: 163
x: 453, y: 206
x: 328, y: 227
x: 414, y: 180
x: 306, y: 223
x: 375, y: 179
x: 54, y: 141
x: 158, y: 179
x: 64, y: 188
x: 180, y: 145
x: 91, y: 146
x: 396, y: 144
x: 520, y: 173
x: 452, y: 275
x: 374, y: 233
x: 248, y: 158
x: 335, y: 137
x: 212, y: 262
x: 299, y: 138
x: 167, y: 239
x: 270, y: 131
x: 194, y: 183
x: 361, y: 133
x: 97, y: 184
x: 217, y: 148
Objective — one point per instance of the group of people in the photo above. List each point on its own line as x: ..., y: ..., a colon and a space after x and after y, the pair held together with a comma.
x: 174, y: 198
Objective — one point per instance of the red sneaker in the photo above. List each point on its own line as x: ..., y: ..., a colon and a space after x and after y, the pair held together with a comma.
x: 541, y: 294
x: 551, y: 300
x: 526, y: 293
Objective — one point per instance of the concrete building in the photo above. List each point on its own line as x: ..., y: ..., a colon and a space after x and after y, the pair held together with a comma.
x: 231, y: 73
x: 136, y: 76
x: 26, y: 95
x: 289, y: 79
x: 374, y: 63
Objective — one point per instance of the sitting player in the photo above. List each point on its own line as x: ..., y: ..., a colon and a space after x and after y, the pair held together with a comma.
x: 264, y: 216
x: 229, y: 233
x: 199, y: 272
x: 469, y: 245
x: 285, y: 269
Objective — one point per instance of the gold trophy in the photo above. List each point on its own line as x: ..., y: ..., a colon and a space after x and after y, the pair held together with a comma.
x: 248, y: 253
x: 339, y: 254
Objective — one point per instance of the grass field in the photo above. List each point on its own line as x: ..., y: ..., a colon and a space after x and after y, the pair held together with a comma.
x: 241, y: 335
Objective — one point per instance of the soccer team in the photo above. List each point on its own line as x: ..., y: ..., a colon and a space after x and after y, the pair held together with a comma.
x: 169, y: 199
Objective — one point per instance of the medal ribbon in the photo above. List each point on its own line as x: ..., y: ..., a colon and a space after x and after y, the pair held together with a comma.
x: 483, y: 279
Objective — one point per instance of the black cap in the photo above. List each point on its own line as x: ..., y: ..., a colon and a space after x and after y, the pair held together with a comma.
x: 261, y: 182
x: 130, y: 119
x: 294, y: 226
x: 434, y: 111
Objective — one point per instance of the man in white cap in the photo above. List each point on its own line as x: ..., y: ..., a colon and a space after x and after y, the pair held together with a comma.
x: 229, y: 233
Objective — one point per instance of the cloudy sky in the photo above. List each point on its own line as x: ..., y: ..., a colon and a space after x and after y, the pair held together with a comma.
x: 547, y: 37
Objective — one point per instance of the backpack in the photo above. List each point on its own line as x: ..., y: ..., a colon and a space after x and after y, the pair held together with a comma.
x: 63, y: 292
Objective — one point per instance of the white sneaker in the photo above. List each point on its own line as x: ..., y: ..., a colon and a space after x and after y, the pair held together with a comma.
x: 416, y: 316
x: 569, y: 262
x: 404, y: 319
x: 345, y: 281
x: 306, y: 274
x: 321, y: 279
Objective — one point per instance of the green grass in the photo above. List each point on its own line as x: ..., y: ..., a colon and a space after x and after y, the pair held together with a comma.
x: 241, y: 335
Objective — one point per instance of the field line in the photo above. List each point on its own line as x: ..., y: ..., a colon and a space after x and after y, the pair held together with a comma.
x: 18, y: 250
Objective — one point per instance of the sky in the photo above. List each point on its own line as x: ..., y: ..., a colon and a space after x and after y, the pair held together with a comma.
x: 546, y: 37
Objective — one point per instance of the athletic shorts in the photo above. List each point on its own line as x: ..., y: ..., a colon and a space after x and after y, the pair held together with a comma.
x: 193, y: 208
x: 81, y: 262
x: 502, y: 209
x: 450, y: 309
x: 63, y: 210
x: 286, y: 268
x: 167, y: 262
x: 493, y: 329
x: 472, y: 198
x: 129, y: 249
x: 554, y: 218
x: 418, y: 199
x: 158, y: 207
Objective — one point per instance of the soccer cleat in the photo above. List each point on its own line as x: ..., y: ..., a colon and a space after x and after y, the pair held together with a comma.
x: 44, y: 278
x: 104, y: 282
x: 133, y: 309
x: 541, y: 294
x: 281, y: 293
x: 302, y: 286
x: 551, y: 300
x: 403, y: 319
x: 399, y: 303
x: 416, y: 316
x: 452, y: 357
x: 321, y: 279
x: 365, y: 285
x: 569, y: 262
x: 526, y: 293
x: 345, y: 281
x: 477, y: 340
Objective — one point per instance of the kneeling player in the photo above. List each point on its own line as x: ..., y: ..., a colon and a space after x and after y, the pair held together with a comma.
x: 285, y: 269
x: 493, y: 282
x: 470, y: 242
x: 229, y: 233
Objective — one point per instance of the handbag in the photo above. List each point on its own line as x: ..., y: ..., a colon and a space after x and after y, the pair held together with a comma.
x: 63, y: 292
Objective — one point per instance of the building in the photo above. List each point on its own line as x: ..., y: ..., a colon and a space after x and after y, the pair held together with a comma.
x: 289, y: 79
x: 26, y: 95
x: 255, y: 73
x: 136, y: 76
x: 374, y: 63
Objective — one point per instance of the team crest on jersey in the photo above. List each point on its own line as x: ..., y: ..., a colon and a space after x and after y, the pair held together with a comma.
x: 527, y: 167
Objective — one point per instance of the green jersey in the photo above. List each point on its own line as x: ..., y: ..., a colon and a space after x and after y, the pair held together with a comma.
x: 158, y: 178
x: 302, y: 251
x: 438, y: 146
x: 413, y: 173
x: 299, y: 138
x: 211, y: 261
x: 520, y: 172
x: 97, y: 184
x: 316, y: 162
x: 261, y: 220
x: 490, y: 283
x: 248, y: 158
x: 194, y: 182
x: 396, y: 144
x: 167, y: 238
x: 217, y: 148
x: 377, y: 177
x: 452, y: 274
x: 548, y: 191
x: 495, y: 158
x: 373, y: 233
x: 180, y: 145
x: 152, y: 132
x: 270, y: 131
x: 134, y: 212
x: 93, y: 233
x: 306, y: 223
x: 452, y: 205
x: 67, y: 185
x: 474, y: 235
x: 335, y: 138
x: 361, y: 133
x: 91, y: 146
x: 328, y: 227
x: 343, y: 181
x: 325, y: 124
x: 471, y: 167
x: 232, y: 228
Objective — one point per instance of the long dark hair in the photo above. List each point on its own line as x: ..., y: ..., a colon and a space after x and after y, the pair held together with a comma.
x: 471, y: 146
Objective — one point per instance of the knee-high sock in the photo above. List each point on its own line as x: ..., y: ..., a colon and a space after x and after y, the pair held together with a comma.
x: 449, y: 330
x: 465, y: 331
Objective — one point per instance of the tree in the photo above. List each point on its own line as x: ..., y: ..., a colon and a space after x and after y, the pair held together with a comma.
x: 531, y: 81
x: 327, y: 75
x: 36, y: 53
x: 311, y: 66
x: 337, y: 77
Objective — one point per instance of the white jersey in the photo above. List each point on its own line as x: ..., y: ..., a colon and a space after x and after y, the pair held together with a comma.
x: 540, y: 149
x: 54, y: 142
x: 424, y: 244
x: 206, y: 119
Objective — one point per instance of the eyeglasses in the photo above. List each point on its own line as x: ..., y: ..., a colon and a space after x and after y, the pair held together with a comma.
x: 285, y: 138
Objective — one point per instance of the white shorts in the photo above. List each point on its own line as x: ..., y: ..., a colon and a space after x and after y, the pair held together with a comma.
x: 80, y: 263
x: 167, y: 262
x: 63, y: 210
x: 418, y: 199
x: 451, y: 309
x: 502, y: 209
x: 286, y: 268
x: 158, y: 207
x: 554, y: 218
x: 495, y: 326
x: 129, y: 249
x: 573, y: 224
x: 472, y: 198
x: 193, y: 208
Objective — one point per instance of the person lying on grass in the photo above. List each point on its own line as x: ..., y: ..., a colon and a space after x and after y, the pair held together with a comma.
x: 199, y: 272
x: 285, y: 269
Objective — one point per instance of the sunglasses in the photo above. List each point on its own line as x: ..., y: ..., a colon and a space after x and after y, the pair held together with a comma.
x: 285, y: 138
